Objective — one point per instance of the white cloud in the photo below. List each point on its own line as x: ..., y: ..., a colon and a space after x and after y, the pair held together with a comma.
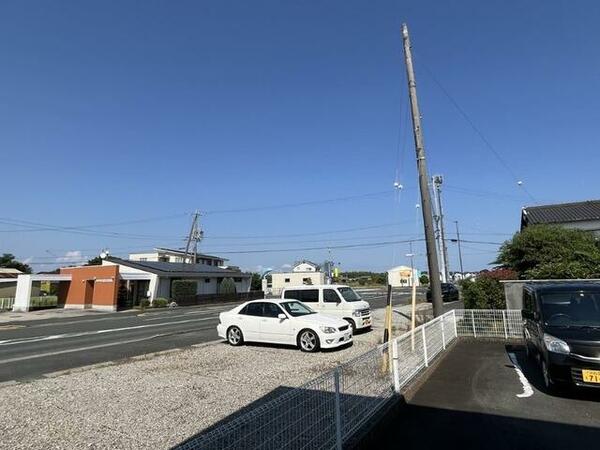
x: 286, y: 266
x: 70, y: 256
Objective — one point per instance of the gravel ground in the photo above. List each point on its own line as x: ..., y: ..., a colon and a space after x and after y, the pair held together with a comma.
x: 157, y: 401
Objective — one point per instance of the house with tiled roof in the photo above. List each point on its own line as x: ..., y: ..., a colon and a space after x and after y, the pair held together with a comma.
x: 580, y: 215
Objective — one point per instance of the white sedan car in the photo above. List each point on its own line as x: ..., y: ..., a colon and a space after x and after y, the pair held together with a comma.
x: 283, y: 321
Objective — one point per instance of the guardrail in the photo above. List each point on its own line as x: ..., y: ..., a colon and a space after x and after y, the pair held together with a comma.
x: 327, y: 411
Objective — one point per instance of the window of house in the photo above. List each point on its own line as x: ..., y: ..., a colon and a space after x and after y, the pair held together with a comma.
x: 143, y: 259
x: 207, y: 280
x: 237, y: 280
x: 287, y: 280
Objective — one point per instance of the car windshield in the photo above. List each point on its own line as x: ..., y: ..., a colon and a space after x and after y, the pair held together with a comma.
x: 349, y: 294
x: 296, y: 309
x: 571, y: 308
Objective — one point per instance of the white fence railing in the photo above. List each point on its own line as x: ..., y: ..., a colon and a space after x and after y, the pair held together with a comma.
x: 325, y: 412
x: 6, y: 303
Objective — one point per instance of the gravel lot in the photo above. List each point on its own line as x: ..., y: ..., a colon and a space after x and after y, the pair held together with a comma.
x: 157, y: 401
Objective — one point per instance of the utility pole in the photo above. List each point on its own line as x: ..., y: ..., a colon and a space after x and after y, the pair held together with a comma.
x: 462, y: 273
x: 432, y: 261
x: 439, y: 218
x: 195, y: 236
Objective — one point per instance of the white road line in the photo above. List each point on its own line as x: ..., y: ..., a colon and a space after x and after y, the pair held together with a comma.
x: 88, y: 333
x: 527, y: 389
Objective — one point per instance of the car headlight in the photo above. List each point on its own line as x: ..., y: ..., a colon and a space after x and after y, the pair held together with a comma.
x: 356, y: 313
x: 328, y: 330
x: 555, y: 345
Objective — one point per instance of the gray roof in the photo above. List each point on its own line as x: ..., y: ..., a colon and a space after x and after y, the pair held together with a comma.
x: 172, y: 269
x: 561, y: 213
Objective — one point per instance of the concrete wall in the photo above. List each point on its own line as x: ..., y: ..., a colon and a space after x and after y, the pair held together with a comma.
x: 105, y: 287
x: 295, y: 279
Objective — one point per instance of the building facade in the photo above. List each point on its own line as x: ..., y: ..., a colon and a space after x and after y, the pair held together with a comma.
x: 161, y: 254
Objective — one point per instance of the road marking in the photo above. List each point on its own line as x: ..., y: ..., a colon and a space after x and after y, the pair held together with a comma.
x: 92, y: 347
x: 88, y: 333
x: 527, y: 389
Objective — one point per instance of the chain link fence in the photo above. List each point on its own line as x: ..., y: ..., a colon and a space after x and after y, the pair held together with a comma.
x: 325, y: 412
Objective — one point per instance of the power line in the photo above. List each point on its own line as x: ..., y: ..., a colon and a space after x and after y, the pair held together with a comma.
x: 299, y: 204
x: 479, y: 133
x: 303, y: 249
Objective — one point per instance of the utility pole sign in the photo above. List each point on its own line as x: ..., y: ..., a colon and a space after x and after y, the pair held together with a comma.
x: 432, y: 260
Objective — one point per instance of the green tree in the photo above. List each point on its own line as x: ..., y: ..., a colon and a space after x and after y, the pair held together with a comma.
x: 227, y: 286
x: 256, y: 282
x: 97, y: 261
x: 486, y: 291
x: 423, y: 279
x: 7, y: 260
x: 550, y: 252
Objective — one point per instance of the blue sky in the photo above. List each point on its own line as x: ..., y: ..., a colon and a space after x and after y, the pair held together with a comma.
x: 116, y: 112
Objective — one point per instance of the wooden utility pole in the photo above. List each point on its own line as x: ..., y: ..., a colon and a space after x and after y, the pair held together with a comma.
x: 432, y: 260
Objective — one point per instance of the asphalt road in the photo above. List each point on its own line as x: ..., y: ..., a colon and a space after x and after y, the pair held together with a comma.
x: 30, y: 349
x: 476, y: 398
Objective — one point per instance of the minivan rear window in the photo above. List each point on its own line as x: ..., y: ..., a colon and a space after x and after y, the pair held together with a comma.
x: 304, y: 295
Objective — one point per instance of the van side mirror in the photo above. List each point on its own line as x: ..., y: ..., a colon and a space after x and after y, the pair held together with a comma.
x: 282, y: 316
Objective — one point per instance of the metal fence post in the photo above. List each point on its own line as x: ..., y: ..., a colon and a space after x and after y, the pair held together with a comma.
x: 504, y: 321
x: 395, y: 366
x: 473, y: 323
x: 337, y: 412
x: 455, y: 325
x: 424, y: 345
x: 443, y: 334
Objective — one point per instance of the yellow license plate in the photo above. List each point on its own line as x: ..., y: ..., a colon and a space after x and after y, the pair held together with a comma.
x: 591, y: 376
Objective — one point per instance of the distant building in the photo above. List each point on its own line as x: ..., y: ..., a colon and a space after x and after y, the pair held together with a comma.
x: 402, y: 276
x: 9, y: 272
x: 161, y: 254
x: 579, y: 215
x: 303, y: 272
x: 305, y: 266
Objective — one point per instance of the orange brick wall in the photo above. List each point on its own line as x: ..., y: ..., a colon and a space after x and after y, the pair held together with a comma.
x: 106, y: 282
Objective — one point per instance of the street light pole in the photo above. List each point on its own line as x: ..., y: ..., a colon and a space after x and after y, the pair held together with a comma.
x: 432, y: 260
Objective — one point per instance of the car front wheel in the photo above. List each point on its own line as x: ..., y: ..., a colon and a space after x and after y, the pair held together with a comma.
x: 235, y: 336
x: 308, y: 341
x: 352, y: 325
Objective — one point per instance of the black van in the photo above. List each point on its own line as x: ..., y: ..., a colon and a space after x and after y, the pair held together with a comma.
x: 562, y: 330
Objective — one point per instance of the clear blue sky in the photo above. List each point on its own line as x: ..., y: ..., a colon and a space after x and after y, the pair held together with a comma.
x: 118, y: 111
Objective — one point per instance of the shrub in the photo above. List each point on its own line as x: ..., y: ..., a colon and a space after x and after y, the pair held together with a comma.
x: 486, y: 291
x: 183, y: 289
x: 227, y: 286
x: 160, y: 303
x: 145, y: 303
x: 544, y: 251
